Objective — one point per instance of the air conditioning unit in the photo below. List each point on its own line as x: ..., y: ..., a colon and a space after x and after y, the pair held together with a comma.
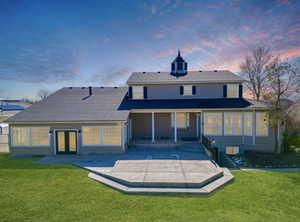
x: 232, y: 150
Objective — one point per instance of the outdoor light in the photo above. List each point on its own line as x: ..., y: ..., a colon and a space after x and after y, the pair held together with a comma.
x: 50, y: 131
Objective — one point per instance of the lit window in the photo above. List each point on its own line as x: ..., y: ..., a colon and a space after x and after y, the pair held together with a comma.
x: 187, y: 90
x: 30, y: 136
x: 232, y: 150
x: 232, y: 90
x: 91, y: 135
x: 102, y: 135
x: 112, y: 136
x: 39, y: 136
x: 182, y: 120
x: 213, y: 123
x: 138, y: 92
x: 262, y: 125
x: 20, y: 136
x: 232, y: 123
x: 248, y: 123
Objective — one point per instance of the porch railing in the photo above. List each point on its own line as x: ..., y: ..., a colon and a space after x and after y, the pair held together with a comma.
x: 210, y: 150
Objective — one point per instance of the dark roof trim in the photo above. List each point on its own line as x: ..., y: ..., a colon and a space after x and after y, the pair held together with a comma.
x: 218, y: 103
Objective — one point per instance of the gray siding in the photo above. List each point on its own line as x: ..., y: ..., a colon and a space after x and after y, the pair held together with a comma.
x: 81, y: 149
x: 173, y: 91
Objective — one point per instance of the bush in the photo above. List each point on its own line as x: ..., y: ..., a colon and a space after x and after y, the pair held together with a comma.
x: 291, y: 141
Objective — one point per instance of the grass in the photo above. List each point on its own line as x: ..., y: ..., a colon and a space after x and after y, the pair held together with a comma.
x: 30, y: 192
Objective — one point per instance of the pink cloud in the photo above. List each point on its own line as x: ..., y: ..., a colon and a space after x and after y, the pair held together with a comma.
x: 150, y: 8
x: 158, y: 36
x: 284, y: 2
x: 245, y: 27
x: 211, y: 44
x: 290, y: 53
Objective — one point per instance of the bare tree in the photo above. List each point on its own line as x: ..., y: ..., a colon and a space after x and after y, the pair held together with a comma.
x: 43, y: 93
x: 284, y: 82
x: 253, y: 70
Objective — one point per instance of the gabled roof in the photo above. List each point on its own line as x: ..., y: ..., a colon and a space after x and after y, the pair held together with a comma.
x: 75, y: 105
x: 191, y: 77
x: 11, y: 107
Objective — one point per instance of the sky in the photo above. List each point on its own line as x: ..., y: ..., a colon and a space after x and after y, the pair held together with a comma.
x: 50, y: 44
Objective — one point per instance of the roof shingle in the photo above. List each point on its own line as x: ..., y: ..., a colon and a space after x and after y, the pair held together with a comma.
x: 190, y: 77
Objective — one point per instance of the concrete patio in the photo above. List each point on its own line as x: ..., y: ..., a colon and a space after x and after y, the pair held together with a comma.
x: 180, y: 169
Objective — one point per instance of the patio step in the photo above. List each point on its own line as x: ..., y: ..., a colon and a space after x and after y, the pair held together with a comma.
x: 168, y: 183
x: 205, y: 190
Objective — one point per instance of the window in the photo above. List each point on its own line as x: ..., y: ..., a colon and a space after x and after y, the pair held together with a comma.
x: 182, y: 120
x: 112, y: 136
x: 102, y: 135
x: 232, y: 123
x: 39, y: 136
x: 248, y: 123
x: 30, y: 136
x: 138, y: 92
x: 91, y: 135
x: 187, y: 90
x: 180, y: 66
x: 232, y: 90
x: 213, y: 123
x: 232, y: 150
x: 262, y: 124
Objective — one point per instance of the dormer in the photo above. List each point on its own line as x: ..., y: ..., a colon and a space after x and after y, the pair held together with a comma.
x: 179, y: 66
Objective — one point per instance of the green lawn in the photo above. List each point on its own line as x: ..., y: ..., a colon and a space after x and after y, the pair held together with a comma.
x: 30, y: 192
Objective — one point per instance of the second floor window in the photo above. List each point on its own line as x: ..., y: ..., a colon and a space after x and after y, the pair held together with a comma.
x: 187, y: 90
x: 232, y: 90
x: 137, y: 92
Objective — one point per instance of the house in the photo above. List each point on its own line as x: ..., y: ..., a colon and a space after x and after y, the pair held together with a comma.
x: 8, y: 108
x: 156, y: 108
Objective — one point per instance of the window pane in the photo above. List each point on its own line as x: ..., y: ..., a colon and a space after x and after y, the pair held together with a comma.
x: 40, y: 136
x: 232, y: 90
x: 188, y: 90
x: 20, y: 136
x: 232, y: 123
x: 72, y: 141
x: 138, y: 92
x: 112, y: 136
x: 248, y: 123
x: 91, y: 136
x: 61, y: 146
x: 213, y: 123
x: 261, y: 124
x: 182, y: 120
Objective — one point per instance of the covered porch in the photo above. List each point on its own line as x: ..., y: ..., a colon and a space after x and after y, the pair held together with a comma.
x: 164, y: 127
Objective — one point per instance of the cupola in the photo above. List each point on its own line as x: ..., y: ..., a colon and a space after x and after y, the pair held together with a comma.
x: 179, y: 66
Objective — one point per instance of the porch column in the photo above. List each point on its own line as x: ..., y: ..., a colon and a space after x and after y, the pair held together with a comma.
x: 175, y: 128
x: 153, y: 130
x: 253, y: 126
x: 197, y: 124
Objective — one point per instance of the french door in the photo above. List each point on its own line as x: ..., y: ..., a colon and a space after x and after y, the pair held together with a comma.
x: 66, y: 141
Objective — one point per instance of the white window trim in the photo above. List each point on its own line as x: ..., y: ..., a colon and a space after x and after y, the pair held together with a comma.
x: 225, y: 134
x: 222, y: 122
x: 101, y: 144
x: 134, y: 93
x: 30, y: 137
x: 268, y: 129
x: 184, y: 90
